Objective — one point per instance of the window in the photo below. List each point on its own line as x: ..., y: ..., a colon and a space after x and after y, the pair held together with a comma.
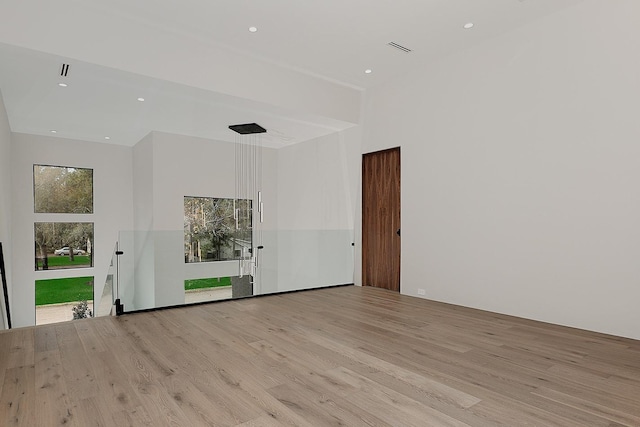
x: 216, y: 229
x: 62, y: 189
x: 207, y: 289
x: 206, y: 283
x: 60, y: 245
x: 62, y: 242
x: 62, y: 299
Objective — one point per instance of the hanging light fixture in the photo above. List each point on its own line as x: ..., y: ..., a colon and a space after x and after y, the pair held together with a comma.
x: 248, y: 196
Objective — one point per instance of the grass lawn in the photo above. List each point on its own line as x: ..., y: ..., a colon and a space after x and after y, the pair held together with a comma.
x: 211, y: 282
x: 56, y: 261
x: 53, y: 291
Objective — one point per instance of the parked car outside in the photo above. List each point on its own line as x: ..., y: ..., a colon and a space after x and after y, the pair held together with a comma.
x: 65, y: 251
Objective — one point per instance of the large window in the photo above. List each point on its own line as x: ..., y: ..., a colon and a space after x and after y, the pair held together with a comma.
x: 216, y: 229
x: 62, y: 189
x: 56, y: 291
x: 63, y: 245
x: 63, y: 240
x: 63, y: 299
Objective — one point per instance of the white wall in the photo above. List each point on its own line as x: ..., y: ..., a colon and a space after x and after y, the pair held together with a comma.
x: 520, y: 171
x: 5, y: 203
x: 310, y: 193
x: 112, y: 184
x: 188, y: 166
x: 137, y: 272
x: 318, y: 182
x: 317, y: 197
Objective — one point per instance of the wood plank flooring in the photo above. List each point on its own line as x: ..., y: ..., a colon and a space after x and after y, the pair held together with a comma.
x: 345, y: 356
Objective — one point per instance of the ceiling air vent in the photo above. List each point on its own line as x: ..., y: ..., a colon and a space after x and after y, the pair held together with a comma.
x: 399, y: 47
x: 64, y: 70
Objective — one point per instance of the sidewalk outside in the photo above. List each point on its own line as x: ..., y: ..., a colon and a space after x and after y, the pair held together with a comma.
x: 54, y: 313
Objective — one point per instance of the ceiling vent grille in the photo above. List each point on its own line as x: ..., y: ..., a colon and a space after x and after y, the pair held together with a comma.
x: 64, y: 70
x: 399, y: 47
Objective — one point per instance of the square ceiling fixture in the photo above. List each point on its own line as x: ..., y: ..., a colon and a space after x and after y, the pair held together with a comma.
x: 247, y: 128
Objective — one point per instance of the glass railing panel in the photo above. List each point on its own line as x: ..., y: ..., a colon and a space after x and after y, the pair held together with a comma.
x: 306, y: 259
x: 136, y: 289
x: 105, y: 303
x: 154, y: 270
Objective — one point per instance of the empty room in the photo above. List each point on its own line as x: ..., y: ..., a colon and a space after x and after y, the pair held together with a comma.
x: 251, y: 213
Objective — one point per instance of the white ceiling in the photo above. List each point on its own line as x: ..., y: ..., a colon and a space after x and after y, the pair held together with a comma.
x: 338, y: 39
x: 335, y: 40
x: 101, y: 102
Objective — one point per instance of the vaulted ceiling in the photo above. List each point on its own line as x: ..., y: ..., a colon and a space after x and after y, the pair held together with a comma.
x: 199, y: 68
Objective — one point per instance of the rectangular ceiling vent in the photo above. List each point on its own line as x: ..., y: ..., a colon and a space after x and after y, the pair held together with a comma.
x: 64, y: 70
x: 399, y: 47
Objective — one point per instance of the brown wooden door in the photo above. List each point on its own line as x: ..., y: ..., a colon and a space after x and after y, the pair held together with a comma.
x: 381, y: 219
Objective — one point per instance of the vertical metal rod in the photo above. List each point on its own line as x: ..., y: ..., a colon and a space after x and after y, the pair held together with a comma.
x: 4, y: 288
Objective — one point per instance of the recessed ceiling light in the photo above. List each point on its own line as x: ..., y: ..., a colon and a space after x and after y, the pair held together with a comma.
x: 107, y: 137
x: 468, y: 26
x: 62, y: 84
x: 368, y: 71
x: 253, y: 29
x: 141, y: 99
x: 53, y: 131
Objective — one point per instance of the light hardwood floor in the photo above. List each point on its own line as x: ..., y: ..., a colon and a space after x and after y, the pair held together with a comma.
x: 345, y: 356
